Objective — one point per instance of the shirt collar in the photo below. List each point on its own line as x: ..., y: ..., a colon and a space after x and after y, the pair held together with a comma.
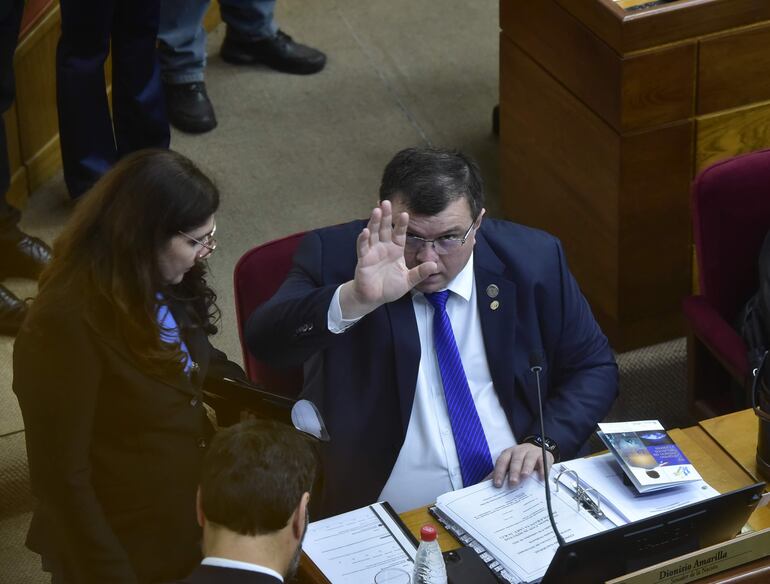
x: 462, y: 283
x: 226, y: 563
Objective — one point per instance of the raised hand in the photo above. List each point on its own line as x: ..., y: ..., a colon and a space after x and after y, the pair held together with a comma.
x: 381, y: 274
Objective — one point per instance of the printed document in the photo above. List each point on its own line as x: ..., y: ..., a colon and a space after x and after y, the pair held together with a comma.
x: 512, y: 523
x: 351, y: 548
x: 603, y: 475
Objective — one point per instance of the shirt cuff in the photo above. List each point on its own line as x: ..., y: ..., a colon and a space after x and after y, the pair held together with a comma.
x: 334, y: 320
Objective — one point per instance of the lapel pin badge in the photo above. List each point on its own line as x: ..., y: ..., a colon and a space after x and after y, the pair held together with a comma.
x: 493, y: 291
x: 494, y: 305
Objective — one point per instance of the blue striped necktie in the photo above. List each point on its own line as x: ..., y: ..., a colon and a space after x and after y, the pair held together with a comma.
x: 471, y: 444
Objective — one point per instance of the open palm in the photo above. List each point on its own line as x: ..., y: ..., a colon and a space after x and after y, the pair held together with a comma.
x: 381, y: 274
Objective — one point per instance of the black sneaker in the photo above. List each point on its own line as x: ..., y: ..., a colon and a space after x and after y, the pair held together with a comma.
x: 188, y: 107
x: 279, y: 52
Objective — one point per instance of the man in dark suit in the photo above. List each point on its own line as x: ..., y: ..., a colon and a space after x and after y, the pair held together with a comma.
x: 95, y: 133
x: 252, y: 504
x: 418, y: 333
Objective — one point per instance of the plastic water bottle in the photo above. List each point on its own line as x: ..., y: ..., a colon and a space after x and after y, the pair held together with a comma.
x: 429, y: 567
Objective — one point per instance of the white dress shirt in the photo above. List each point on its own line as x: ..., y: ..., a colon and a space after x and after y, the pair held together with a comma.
x: 225, y: 563
x: 427, y: 464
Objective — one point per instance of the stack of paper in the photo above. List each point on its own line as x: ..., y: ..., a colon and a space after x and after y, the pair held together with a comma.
x: 512, y: 523
x: 602, y: 477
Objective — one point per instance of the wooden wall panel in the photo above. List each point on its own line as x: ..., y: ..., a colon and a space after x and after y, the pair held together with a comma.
x: 655, y: 222
x: 644, y: 90
x: 735, y: 132
x: 658, y: 87
x: 213, y: 17
x: 561, y: 173
x: 35, y: 65
x: 581, y: 61
x: 669, y: 23
x: 734, y: 69
x: 17, y: 193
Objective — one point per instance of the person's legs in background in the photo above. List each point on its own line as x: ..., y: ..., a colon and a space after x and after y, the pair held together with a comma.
x: 182, y: 52
x: 20, y: 254
x: 252, y: 38
x: 85, y: 127
x: 138, y: 109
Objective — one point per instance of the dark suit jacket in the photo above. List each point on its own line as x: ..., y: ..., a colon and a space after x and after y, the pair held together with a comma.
x: 218, y: 575
x: 114, y: 453
x: 363, y: 380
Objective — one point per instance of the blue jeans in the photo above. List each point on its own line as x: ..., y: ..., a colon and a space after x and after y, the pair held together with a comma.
x: 182, y: 45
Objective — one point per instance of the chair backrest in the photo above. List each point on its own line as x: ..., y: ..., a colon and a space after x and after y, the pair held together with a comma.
x: 257, y: 276
x: 731, y: 215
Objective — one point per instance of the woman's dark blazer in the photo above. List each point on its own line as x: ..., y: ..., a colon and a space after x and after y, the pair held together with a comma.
x: 114, y: 453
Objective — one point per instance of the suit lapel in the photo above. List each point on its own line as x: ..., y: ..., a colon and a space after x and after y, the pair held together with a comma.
x: 406, y: 344
x: 503, y: 341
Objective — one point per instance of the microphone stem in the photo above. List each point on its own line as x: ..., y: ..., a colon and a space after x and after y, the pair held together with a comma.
x: 559, y: 538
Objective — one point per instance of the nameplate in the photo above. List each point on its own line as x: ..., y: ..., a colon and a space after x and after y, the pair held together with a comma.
x: 711, y: 560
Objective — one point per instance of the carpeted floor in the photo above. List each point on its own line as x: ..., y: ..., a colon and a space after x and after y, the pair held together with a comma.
x: 292, y: 153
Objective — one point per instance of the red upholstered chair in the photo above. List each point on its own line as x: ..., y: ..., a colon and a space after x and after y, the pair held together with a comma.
x: 258, y: 275
x: 731, y: 215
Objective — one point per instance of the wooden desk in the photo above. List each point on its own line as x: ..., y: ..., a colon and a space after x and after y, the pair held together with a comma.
x: 606, y: 115
x: 736, y: 433
x: 715, y: 465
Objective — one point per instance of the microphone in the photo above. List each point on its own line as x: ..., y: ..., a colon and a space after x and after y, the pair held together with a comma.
x: 536, y: 366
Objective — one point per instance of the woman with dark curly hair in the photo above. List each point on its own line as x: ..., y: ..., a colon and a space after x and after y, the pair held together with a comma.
x: 108, y: 370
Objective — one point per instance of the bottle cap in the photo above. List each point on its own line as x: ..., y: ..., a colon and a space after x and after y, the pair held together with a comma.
x: 428, y: 533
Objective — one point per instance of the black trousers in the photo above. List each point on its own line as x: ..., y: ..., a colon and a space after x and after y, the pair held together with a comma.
x: 10, y: 20
x: 92, y: 140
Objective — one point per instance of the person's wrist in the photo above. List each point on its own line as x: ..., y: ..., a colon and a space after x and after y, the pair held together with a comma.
x: 351, y: 306
x: 550, y: 445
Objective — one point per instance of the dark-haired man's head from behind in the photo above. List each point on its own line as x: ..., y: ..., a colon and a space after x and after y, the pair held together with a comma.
x: 254, y: 493
x: 426, y: 180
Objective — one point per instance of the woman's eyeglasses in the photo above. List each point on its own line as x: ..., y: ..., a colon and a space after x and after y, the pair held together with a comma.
x: 208, y: 242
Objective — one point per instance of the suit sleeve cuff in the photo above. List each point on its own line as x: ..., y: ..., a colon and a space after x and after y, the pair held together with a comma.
x: 334, y: 320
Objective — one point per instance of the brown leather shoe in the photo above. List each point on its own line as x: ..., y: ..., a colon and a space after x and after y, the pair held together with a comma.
x: 12, y: 312
x: 25, y: 258
x: 279, y: 52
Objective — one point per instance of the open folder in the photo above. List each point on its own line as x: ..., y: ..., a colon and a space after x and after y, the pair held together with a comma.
x: 510, y: 524
x: 510, y: 529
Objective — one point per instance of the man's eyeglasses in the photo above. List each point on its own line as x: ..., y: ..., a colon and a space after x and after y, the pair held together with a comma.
x: 208, y: 242
x: 442, y: 245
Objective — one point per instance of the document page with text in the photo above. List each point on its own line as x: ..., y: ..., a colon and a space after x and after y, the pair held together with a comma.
x: 604, y: 475
x: 512, y: 523
x: 352, y: 547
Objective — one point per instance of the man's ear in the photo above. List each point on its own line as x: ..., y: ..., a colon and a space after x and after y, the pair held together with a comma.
x: 478, y: 219
x: 299, y: 519
x: 199, y: 508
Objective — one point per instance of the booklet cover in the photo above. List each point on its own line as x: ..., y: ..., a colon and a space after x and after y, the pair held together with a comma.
x: 647, y: 455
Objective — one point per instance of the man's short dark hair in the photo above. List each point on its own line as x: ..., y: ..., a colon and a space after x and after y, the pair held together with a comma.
x: 428, y: 179
x: 254, y: 476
